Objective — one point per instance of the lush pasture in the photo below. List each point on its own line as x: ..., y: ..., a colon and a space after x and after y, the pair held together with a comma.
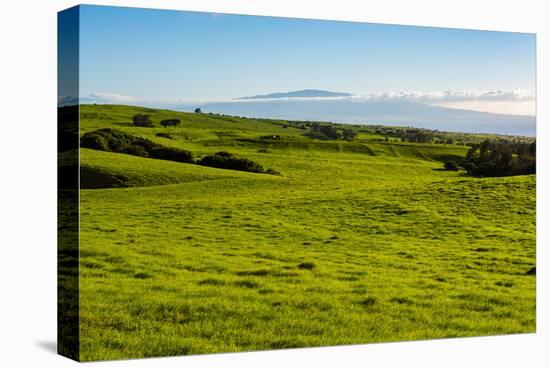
x: 355, y: 242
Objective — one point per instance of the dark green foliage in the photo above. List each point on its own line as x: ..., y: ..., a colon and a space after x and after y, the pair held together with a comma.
x: 112, y: 140
x: 319, y: 131
x: 142, y: 120
x: 270, y: 137
x: 418, y: 136
x: 164, y: 135
x: 170, y: 122
x: 501, y: 158
x: 198, y: 110
x: 138, y: 150
x: 316, y: 135
x: 171, y: 154
x: 94, y: 141
x: 451, y: 166
x: 330, y: 132
x: 349, y: 134
x: 228, y: 161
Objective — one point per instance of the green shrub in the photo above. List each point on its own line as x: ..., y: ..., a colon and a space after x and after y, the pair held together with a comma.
x: 138, y: 150
x: 170, y: 122
x: 349, y: 134
x: 142, y: 120
x: 114, y: 141
x: 228, y: 161
x: 94, y: 141
x: 171, y: 154
x: 120, y: 142
x: 330, y: 132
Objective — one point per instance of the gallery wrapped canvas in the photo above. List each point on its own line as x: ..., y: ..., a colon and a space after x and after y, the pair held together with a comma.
x: 232, y: 183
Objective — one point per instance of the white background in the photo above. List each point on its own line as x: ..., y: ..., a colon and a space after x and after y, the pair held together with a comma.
x: 28, y: 182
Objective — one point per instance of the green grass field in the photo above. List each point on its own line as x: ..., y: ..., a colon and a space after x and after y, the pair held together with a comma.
x: 355, y: 242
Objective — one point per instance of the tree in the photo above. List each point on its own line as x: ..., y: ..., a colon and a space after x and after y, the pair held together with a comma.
x: 349, y: 134
x: 142, y: 120
x: 330, y: 132
x: 501, y: 158
x: 170, y: 122
x: 198, y: 110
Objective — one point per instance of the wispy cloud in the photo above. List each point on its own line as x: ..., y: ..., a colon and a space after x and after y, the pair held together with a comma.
x: 516, y: 102
x: 110, y: 97
x: 426, y: 97
x: 460, y: 95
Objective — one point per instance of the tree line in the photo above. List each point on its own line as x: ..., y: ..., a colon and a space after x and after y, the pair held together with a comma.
x: 498, y: 158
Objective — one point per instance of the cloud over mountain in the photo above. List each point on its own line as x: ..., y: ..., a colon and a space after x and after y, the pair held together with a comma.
x: 490, y: 111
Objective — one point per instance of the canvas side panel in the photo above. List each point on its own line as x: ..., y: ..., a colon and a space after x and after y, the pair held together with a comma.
x: 68, y: 339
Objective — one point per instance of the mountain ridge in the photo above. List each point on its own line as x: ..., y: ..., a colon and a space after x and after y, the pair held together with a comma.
x: 305, y: 93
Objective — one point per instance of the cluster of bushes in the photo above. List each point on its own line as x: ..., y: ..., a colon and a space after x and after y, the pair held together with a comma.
x: 142, y: 120
x: 170, y: 122
x: 498, y: 158
x: 415, y: 135
x: 111, y: 140
x: 229, y: 161
x: 330, y: 132
x: 501, y: 158
x: 349, y: 134
x: 171, y: 154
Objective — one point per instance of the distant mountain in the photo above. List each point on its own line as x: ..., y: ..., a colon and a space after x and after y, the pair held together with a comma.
x: 306, y: 93
x: 315, y: 105
x: 389, y: 112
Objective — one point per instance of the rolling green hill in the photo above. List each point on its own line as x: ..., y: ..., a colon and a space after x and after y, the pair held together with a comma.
x: 355, y: 242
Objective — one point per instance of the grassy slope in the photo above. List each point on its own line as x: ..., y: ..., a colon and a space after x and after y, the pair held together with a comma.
x: 401, y: 249
x: 137, y: 171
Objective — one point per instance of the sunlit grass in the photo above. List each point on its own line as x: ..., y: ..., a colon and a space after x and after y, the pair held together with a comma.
x: 355, y: 242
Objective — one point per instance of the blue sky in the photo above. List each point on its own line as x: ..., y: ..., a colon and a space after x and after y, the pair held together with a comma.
x: 153, y: 55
